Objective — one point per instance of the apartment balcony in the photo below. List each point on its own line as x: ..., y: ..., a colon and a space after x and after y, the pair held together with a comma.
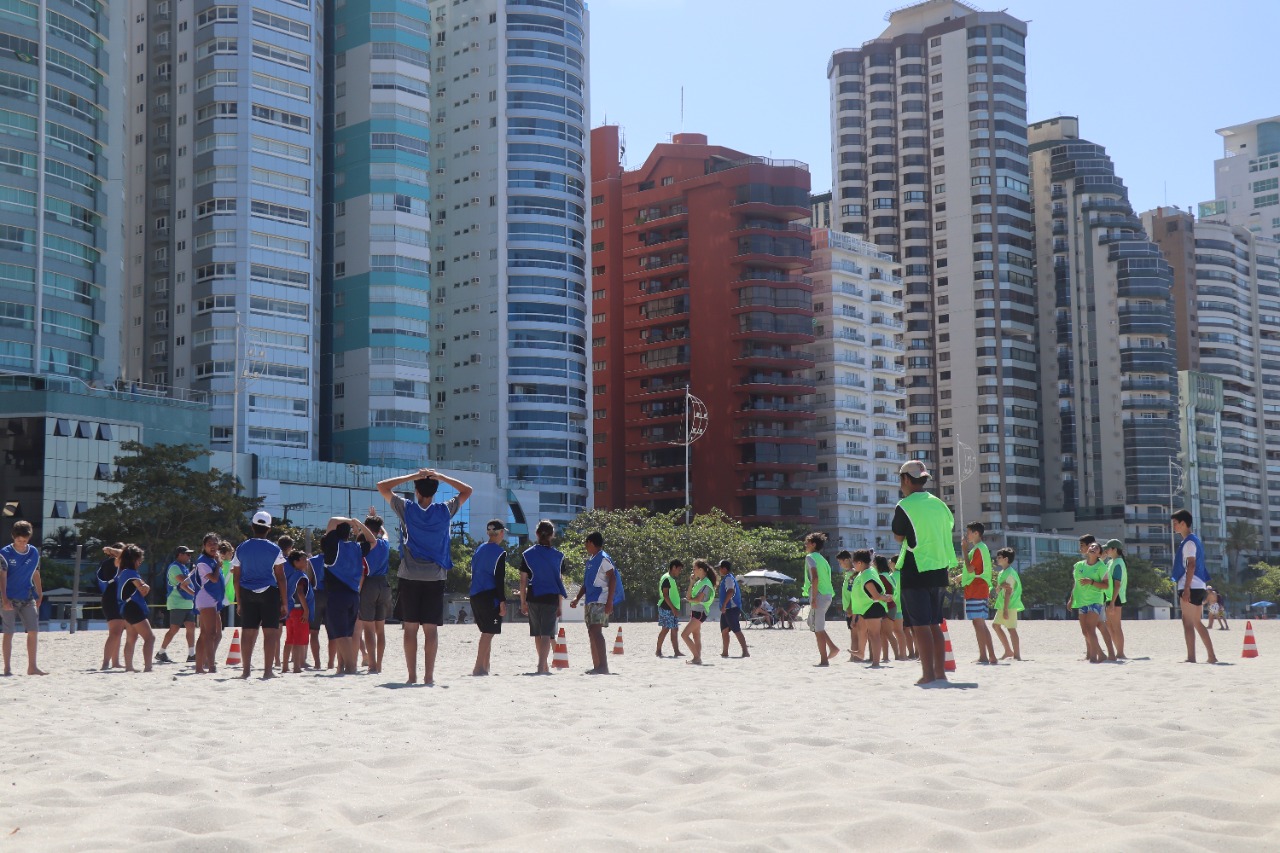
x: 659, y: 213
x: 770, y: 410
x: 884, y: 299
x: 851, y: 404
x: 890, y: 456
x: 753, y: 433
x: 765, y: 383
x: 773, y: 356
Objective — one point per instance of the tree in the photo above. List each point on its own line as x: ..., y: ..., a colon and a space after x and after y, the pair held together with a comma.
x: 1241, y: 536
x: 163, y: 502
x: 60, y: 544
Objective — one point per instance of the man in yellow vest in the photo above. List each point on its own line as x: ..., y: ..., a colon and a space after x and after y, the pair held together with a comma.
x: 923, y: 524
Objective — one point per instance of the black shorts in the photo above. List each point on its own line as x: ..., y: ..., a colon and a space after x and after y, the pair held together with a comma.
x: 343, y: 610
x: 922, y: 606
x: 178, y: 618
x: 876, y: 611
x: 260, y: 609
x: 133, y: 613
x: 420, y: 602
x: 700, y: 615
x: 1197, y: 596
x: 485, y: 609
x: 111, y: 605
x: 731, y: 619
x: 321, y: 609
x: 375, y: 599
x: 848, y: 621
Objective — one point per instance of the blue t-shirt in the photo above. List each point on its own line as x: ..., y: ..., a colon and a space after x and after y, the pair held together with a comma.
x: 22, y: 568
x: 317, y: 566
x: 257, y: 559
x: 379, y: 558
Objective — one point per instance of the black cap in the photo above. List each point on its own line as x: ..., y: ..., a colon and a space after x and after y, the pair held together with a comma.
x: 183, y: 549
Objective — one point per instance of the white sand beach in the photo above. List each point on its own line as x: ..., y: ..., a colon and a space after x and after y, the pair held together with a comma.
x: 760, y: 754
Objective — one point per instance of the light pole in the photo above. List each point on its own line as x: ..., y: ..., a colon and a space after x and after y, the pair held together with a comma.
x: 241, y: 377
x: 695, y: 427
x: 1173, y: 537
x: 967, y: 464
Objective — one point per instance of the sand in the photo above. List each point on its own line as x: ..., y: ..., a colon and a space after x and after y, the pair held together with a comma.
x: 766, y: 753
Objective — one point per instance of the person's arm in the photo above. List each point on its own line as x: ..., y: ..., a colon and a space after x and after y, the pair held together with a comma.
x: 464, y: 491
x: 582, y: 591
x: 235, y: 581
x: 185, y: 585
x: 500, y: 584
x: 874, y: 591
x: 5, y: 604
x: 301, y: 594
x: 35, y: 579
x: 1186, y: 578
x: 387, y: 487
x: 142, y: 586
x: 613, y: 586
x: 810, y: 567
x: 525, y: 574
x: 362, y: 532
x: 278, y: 570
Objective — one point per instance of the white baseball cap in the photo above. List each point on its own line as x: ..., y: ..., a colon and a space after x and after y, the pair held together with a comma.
x: 262, y: 517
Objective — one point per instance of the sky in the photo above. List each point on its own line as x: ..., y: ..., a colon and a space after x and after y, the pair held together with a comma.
x: 1151, y: 80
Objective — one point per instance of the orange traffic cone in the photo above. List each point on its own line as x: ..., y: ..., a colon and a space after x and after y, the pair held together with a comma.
x: 948, y: 657
x: 1250, y: 644
x: 560, y: 655
x: 617, y: 644
x: 233, y: 656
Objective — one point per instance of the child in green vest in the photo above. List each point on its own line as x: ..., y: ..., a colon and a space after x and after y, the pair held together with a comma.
x: 976, y: 575
x: 702, y: 594
x: 1088, y: 596
x: 850, y: 571
x: 1113, y: 552
x: 818, y: 589
x: 892, y: 577
x: 868, y: 600
x: 669, y: 608
x: 1008, y: 603
x: 891, y: 627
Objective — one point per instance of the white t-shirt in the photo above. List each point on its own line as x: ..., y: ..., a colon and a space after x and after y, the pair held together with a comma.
x: 602, y: 577
x: 1189, y: 553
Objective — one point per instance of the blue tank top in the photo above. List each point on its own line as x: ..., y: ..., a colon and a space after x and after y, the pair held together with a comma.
x: 379, y: 558
x: 347, y: 566
x: 134, y: 594
x: 258, y: 558
x: 544, y: 564
x: 216, y: 587
x: 292, y: 577
x: 484, y: 562
x: 426, y: 533
x: 317, y: 565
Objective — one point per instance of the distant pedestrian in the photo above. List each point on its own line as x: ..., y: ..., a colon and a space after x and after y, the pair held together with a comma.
x: 1118, y: 574
x: 21, y: 593
x: 924, y: 525
x: 729, y: 593
x: 542, y: 591
x: 819, y: 591
x: 489, y: 591
x: 669, y: 608
x: 1190, y: 579
x: 599, y: 585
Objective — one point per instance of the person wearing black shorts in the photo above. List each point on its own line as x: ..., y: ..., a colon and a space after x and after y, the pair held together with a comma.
x: 258, y: 572
x: 107, y: 571
x: 927, y: 555
x: 729, y: 594
x: 489, y: 591
x: 1190, y: 580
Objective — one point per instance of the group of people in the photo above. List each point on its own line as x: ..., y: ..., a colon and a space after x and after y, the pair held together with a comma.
x: 890, y: 606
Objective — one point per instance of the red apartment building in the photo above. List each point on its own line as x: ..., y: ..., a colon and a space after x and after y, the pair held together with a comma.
x: 698, y: 281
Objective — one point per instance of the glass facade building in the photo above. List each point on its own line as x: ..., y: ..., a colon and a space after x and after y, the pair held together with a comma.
x: 61, y: 205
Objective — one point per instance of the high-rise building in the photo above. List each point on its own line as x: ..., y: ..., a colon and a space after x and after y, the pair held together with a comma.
x: 1173, y: 230
x: 1202, y: 489
x: 509, y: 246
x: 375, y: 399
x: 929, y: 147
x: 820, y: 204
x: 860, y: 400
x: 223, y: 259
x: 1107, y: 357
x: 1247, y: 178
x: 699, y: 286
x: 1237, y: 277
x: 62, y: 210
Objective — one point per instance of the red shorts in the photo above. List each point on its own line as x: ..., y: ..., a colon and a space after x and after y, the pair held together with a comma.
x: 297, y: 632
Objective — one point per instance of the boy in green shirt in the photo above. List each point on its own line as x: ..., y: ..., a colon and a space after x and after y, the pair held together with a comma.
x: 1088, y: 596
x: 1008, y: 603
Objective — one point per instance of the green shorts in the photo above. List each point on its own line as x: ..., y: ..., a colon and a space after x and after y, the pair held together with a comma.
x: 1011, y: 623
x: 595, y: 615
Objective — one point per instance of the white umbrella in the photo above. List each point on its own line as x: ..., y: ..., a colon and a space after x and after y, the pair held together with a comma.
x: 764, y: 577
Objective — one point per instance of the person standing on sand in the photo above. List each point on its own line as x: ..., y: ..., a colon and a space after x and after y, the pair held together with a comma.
x: 1089, y: 579
x: 375, y: 594
x: 344, y: 575
x: 319, y: 613
x: 542, y: 591
x: 702, y: 594
x: 1118, y: 573
x: 1190, y: 578
x: 489, y: 591
x: 869, y: 602
x: 730, y: 595
x: 599, y: 585
x: 818, y: 589
x: 669, y: 608
x: 425, y: 562
x: 850, y: 570
x: 258, y: 572
x: 976, y: 575
x: 211, y: 591
x: 21, y: 593
x: 106, y: 577
x: 891, y: 627
x: 301, y: 603
x: 180, y: 605
x: 133, y: 592
x: 923, y: 525
x: 1008, y: 603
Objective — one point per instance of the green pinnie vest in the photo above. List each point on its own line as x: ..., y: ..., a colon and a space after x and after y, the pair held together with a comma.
x: 698, y: 587
x: 933, y: 523
x: 824, y: 575
x: 858, y: 595
x: 675, y: 591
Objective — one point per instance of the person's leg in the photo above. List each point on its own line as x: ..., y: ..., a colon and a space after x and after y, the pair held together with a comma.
x: 685, y: 632
x: 1204, y: 638
x: 130, y: 640
x: 873, y: 636
x: 370, y: 659
x: 174, y: 627
x: 742, y: 643
x: 1017, y: 651
x: 1115, y: 618
x: 909, y: 640
x: 939, y: 652
x: 988, y: 641
x: 430, y: 644
x: 822, y: 647
x: 31, y: 622
x: 543, y: 645
x: 1105, y: 630
x: 248, y: 642
x: 7, y: 643
x: 599, y: 654
x: 675, y: 641
x: 148, y: 643
x: 315, y: 648
x: 410, y: 650
x: 1004, y: 642
x: 924, y: 645
x: 982, y: 649
x: 191, y: 636
x: 271, y: 645
x: 482, y: 655
x: 724, y: 642
x: 662, y: 635
x: 853, y: 641
x: 380, y: 643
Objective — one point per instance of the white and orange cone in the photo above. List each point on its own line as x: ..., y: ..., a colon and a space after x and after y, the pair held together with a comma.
x: 948, y: 656
x: 617, y: 644
x: 233, y: 656
x: 560, y: 656
x: 1250, y: 644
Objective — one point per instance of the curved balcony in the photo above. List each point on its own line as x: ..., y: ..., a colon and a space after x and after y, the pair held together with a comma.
x: 776, y: 357
x: 763, y: 383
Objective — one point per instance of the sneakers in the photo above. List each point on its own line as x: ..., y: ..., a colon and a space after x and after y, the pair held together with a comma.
x: 162, y: 657
x: 191, y: 656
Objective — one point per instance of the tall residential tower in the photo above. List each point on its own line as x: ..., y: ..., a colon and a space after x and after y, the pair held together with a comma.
x: 1247, y: 178
x: 929, y: 147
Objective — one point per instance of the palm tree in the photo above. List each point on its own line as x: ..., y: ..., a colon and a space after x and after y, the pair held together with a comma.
x: 61, y: 543
x: 1241, y: 536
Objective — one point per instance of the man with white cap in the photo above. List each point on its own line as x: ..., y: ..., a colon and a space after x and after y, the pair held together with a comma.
x: 923, y: 524
x: 261, y: 599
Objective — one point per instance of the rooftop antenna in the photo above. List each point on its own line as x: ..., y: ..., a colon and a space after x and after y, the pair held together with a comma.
x: 682, y: 109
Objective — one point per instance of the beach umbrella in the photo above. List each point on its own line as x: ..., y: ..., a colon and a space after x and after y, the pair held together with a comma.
x: 764, y: 577
x: 1262, y: 604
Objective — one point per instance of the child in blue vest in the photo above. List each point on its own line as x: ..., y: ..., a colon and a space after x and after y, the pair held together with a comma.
x: 599, y: 585
x: 729, y: 594
x: 489, y: 591
x: 302, y: 601
x: 343, y: 576
x: 1190, y: 581
x: 542, y: 591
x: 21, y: 592
x: 133, y: 591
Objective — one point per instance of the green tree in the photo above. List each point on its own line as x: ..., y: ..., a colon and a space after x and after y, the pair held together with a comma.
x: 163, y: 502
x: 1264, y: 583
x: 60, y: 544
x: 1241, y: 536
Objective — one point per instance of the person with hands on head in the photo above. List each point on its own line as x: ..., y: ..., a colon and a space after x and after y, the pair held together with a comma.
x: 106, y: 577
x: 257, y: 570
x: 1190, y: 580
x: 21, y: 593
x: 425, y: 561
x: 542, y: 591
x: 599, y: 585
x: 344, y: 575
x: 488, y: 593
x: 375, y: 594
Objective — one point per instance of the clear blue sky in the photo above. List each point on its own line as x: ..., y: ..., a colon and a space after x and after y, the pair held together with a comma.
x: 1149, y: 80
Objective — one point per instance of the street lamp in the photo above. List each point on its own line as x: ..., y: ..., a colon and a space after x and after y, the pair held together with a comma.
x: 967, y: 465
x: 695, y: 427
x: 241, y: 377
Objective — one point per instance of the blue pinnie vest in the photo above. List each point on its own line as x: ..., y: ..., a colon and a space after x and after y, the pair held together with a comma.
x: 544, y: 563
x: 216, y: 587
x: 426, y: 533
x: 135, y: 595
x: 317, y: 565
x: 484, y: 562
x: 737, y: 593
x: 347, y: 566
x: 1180, y: 567
x: 293, y: 577
x: 379, y: 558
x: 594, y: 593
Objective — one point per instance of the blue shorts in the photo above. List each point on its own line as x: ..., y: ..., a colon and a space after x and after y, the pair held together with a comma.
x: 1093, y: 608
x: 975, y: 608
x: 668, y: 619
x: 343, y: 608
x: 730, y: 620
